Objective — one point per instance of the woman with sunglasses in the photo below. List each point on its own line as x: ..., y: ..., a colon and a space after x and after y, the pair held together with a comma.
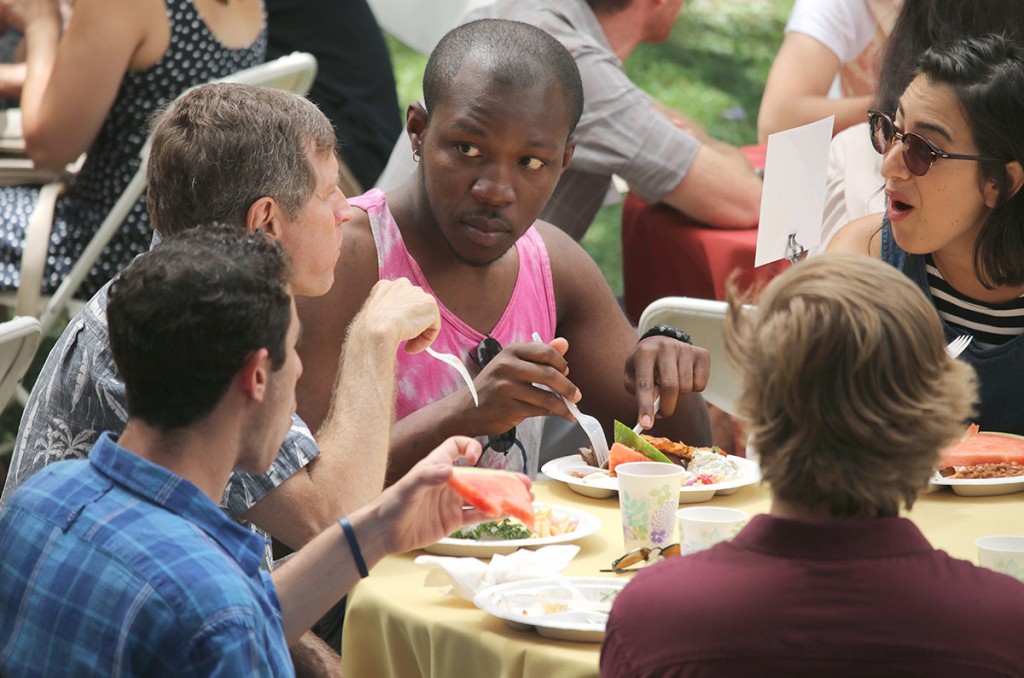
x: 954, y: 219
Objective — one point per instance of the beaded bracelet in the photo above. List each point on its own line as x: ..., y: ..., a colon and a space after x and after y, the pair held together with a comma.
x: 353, y: 546
x: 667, y: 331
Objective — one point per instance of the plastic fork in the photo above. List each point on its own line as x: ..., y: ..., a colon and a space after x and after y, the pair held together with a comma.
x: 657, y: 403
x: 453, y: 361
x: 590, y: 425
x: 957, y: 346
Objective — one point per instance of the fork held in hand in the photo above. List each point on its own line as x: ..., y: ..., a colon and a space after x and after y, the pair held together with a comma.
x: 957, y: 346
x: 590, y: 425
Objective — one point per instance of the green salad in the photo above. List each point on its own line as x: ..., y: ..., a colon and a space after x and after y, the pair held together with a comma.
x: 494, y: 529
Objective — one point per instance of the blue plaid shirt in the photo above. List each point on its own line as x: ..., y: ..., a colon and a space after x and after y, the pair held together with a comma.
x: 116, y: 566
x: 79, y: 394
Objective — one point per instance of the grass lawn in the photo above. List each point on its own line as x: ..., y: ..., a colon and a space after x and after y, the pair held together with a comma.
x: 712, y: 68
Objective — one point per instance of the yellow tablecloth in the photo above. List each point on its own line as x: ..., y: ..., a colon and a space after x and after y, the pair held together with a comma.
x: 397, y: 627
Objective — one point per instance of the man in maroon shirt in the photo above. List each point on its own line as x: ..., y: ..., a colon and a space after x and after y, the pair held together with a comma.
x: 851, y: 397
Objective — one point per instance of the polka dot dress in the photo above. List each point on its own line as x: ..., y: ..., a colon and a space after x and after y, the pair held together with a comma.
x: 194, y: 56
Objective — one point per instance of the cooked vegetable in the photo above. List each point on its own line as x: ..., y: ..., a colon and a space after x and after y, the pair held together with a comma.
x: 625, y: 436
x: 500, y: 529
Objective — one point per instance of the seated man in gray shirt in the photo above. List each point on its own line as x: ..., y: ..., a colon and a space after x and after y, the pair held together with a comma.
x: 662, y: 156
x: 278, y: 147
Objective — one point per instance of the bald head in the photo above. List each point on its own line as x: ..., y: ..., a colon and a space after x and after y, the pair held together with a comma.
x: 512, y: 53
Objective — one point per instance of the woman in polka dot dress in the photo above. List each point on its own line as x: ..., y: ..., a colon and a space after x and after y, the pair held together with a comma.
x: 95, y: 90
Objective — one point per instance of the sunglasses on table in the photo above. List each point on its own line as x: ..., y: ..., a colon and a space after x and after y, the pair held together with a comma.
x: 918, y: 153
x: 644, y: 554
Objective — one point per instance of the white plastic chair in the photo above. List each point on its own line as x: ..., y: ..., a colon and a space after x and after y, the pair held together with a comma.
x: 293, y: 72
x: 19, y: 339
x: 704, y: 321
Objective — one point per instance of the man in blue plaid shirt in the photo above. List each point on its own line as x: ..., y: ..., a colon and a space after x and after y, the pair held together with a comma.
x: 124, y: 564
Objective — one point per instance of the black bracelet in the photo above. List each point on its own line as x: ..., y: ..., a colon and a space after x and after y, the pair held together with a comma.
x: 353, y: 545
x: 667, y: 331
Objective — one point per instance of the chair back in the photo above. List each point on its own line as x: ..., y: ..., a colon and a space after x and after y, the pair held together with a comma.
x: 19, y: 339
x: 293, y: 72
x: 704, y: 321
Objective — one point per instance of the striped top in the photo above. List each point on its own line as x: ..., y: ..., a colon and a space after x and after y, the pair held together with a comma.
x: 990, y: 324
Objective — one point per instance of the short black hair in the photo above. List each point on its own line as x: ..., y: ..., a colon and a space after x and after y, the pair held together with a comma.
x: 185, y: 316
x: 516, y: 54
x: 987, y: 76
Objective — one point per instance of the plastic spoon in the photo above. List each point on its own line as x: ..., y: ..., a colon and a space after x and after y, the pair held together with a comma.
x: 453, y: 361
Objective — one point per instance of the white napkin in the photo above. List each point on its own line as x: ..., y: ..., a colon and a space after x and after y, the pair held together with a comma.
x: 465, y: 577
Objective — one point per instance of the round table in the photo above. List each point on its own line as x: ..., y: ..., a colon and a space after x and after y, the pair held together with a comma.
x: 395, y: 626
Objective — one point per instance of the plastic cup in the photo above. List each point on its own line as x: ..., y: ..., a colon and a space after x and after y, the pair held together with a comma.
x: 702, y: 527
x: 1002, y: 553
x: 648, y: 499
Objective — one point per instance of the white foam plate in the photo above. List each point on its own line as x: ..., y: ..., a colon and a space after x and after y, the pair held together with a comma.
x: 563, y: 608
x: 600, y: 488
x: 587, y: 524
x: 980, y: 487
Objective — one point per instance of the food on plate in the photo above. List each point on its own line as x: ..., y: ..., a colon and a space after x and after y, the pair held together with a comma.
x: 593, y: 473
x: 494, y: 493
x: 626, y: 436
x: 675, y: 449
x: 704, y: 465
x: 507, y: 528
x: 547, y: 523
x: 984, y: 456
x: 620, y: 454
x: 709, y: 466
x: 1001, y: 469
x: 984, y: 448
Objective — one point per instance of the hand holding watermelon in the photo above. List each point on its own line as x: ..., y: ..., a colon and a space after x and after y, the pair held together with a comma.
x: 424, y: 505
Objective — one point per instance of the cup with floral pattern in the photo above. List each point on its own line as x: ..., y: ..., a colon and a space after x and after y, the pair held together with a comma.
x: 648, y: 499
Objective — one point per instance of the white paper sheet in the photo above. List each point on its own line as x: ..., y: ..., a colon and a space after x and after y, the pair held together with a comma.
x: 793, y: 199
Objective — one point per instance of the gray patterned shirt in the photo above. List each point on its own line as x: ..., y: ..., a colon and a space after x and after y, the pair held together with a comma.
x: 79, y: 395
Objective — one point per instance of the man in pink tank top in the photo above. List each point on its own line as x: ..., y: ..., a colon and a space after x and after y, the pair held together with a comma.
x: 503, y: 100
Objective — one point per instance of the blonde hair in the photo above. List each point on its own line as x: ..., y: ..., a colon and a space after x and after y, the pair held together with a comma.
x: 847, y: 388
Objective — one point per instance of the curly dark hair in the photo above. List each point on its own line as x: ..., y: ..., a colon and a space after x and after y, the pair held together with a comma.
x: 185, y: 316
x: 516, y: 54
x: 849, y: 394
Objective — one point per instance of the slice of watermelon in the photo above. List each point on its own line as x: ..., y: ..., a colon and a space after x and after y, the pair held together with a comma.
x: 985, y: 448
x: 620, y: 454
x: 494, y: 493
x: 625, y: 436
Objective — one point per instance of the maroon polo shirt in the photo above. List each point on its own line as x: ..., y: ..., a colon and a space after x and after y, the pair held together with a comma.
x: 801, y: 598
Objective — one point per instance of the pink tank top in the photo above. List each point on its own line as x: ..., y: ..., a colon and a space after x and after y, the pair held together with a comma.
x: 420, y: 380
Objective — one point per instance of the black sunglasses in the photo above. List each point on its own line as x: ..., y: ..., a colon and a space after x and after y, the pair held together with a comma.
x: 486, y: 351
x: 644, y: 554
x: 918, y: 152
